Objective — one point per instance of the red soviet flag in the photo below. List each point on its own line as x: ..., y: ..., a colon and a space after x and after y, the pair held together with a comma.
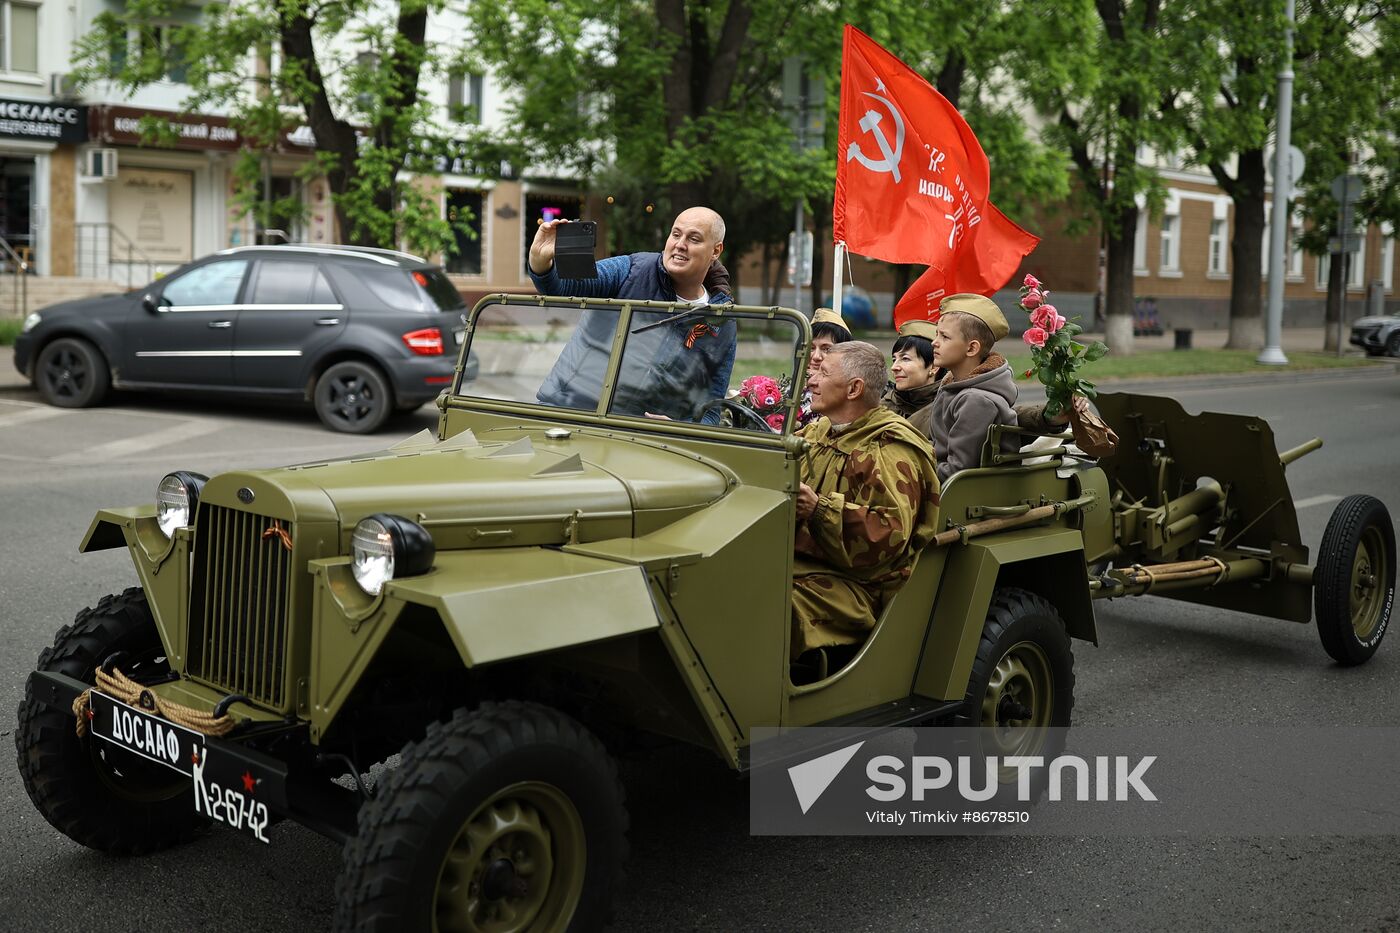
x: 912, y: 180
x: 997, y: 247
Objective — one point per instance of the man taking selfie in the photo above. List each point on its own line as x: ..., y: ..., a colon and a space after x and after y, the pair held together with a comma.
x: 671, y: 369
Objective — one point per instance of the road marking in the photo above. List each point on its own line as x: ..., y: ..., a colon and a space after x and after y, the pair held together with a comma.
x: 1315, y: 500
x: 128, y: 445
x: 26, y: 415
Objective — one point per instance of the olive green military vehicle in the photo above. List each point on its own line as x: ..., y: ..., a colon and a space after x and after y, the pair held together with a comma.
x: 595, y: 548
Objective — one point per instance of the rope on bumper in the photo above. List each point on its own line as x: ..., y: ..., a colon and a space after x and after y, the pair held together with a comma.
x: 121, y: 687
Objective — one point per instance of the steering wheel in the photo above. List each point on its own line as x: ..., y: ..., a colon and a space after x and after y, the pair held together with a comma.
x: 734, y: 408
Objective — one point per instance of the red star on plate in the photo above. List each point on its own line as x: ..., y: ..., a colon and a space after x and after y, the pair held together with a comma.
x: 194, y: 757
x: 249, y: 782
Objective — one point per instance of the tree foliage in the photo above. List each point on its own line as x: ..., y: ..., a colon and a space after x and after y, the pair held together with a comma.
x: 1102, y: 87
x: 350, y: 71
x: 677, y: 102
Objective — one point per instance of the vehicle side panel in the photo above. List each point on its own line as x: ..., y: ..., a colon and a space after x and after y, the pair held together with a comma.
x: 731, y: 597
x: 886, y: 664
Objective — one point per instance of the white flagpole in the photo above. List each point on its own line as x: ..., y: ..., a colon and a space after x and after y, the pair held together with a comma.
x: 838, y: 257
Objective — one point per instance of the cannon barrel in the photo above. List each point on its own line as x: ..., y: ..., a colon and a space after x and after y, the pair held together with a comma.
x: 1307, y: 447
x: 1193, y: 503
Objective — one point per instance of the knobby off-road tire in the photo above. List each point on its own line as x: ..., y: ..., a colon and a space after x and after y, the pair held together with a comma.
x: 90, y: 792
x: 353, y: 397
x: 506, y: 818
x: 1020, y: 695
x: 1354, y: 584
x: 72, y: 373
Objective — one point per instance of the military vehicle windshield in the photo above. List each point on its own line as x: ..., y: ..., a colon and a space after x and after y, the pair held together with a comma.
x: 731, y: 370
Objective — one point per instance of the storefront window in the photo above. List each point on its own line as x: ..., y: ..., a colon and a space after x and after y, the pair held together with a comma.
x: 464, y: 209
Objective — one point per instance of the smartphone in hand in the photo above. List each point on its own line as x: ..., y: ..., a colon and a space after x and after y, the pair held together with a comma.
x: 574, y: 245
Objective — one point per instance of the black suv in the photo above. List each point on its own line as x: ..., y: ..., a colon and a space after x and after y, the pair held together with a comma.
x: 358, y: 332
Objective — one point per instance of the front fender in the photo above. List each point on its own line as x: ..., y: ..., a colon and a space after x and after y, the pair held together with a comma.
x: 1047, y: 561
x: 160, y: 564
x: 496, y: 604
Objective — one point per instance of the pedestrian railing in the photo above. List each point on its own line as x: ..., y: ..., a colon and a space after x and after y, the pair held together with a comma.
x: 21, y: 276
x: 105, y: 252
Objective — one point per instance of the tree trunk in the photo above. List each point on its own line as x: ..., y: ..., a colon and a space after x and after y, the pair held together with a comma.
x: 1336, y: 269
x: 1118, y: 289
x: 1247, y: 254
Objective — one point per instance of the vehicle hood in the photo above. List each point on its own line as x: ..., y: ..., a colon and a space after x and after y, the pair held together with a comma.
x: 527, y: 489
x: 92, y: 304
x: 1373, y: 321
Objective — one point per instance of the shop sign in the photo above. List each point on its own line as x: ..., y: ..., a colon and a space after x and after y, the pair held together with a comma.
x: 49, y: 121
x: 121, y: 126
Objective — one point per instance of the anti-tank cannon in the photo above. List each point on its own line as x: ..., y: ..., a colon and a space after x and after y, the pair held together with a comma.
x: 1200, y: 510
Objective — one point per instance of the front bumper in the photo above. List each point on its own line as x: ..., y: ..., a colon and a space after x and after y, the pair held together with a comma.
x: 1370, y: 338
x: 300, y: 793
x: 24, y: 353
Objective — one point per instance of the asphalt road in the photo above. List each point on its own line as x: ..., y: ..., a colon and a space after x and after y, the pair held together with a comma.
x: 693, y: 864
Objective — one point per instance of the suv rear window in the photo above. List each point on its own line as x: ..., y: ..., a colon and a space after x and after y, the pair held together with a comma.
x: 416, y: 290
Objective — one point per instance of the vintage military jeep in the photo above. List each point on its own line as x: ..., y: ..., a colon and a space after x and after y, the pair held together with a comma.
x: 559, y: 569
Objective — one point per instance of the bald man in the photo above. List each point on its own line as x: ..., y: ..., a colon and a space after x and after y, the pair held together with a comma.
x: 672, y: 370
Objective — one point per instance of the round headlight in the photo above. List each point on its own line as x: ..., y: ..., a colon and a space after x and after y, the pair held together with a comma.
x: 30, y: 322
x: 384, y: 546
x: 177, y: 497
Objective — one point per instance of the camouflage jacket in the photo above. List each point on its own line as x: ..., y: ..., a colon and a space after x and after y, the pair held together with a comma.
x: 877, y: 502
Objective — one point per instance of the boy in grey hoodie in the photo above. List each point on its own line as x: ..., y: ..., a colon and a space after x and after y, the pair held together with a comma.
x: 978, y: 391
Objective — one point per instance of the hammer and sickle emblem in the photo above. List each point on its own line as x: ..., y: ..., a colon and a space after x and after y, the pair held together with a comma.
x: 870, y: 123
x: 275, y: 530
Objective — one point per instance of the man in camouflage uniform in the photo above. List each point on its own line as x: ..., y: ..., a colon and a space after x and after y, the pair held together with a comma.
x: 867, y: 503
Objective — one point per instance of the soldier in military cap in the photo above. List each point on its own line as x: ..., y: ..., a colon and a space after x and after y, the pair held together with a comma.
x: 866, y: 505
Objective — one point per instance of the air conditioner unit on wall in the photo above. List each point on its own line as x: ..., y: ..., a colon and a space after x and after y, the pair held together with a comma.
x: 100, y: 163
x: 63, y: 86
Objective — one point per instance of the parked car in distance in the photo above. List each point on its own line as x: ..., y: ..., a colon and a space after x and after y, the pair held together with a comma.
x: 357, y: 332
x: 1378, y: 336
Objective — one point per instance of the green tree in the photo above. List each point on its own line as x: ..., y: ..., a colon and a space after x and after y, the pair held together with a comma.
x: 350, y: 71
x: 678, y: 102
x: 1228, y: 56
x: 1101, y: 70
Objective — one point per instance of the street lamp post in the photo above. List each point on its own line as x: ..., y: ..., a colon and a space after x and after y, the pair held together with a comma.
x: 1272, y: 353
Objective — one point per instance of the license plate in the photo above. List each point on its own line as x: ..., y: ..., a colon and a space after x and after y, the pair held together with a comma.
x: 224, y: 789
x: 459, y: 336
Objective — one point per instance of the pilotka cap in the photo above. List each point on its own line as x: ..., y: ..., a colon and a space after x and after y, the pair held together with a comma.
x: 917, y: 328
x: 980, y: 307
x: 828, y: 316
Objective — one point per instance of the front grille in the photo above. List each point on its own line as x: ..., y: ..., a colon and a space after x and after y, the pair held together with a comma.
x: 239, y: 592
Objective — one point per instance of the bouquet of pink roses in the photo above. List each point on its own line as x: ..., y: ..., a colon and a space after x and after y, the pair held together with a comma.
x: 1056, y: 357
x: 765, y: 397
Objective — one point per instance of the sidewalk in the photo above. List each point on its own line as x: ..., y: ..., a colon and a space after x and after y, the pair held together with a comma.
x: 10, y: 379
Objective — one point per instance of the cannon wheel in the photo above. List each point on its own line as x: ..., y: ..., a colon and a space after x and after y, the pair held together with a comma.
x: 1354, y: 586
